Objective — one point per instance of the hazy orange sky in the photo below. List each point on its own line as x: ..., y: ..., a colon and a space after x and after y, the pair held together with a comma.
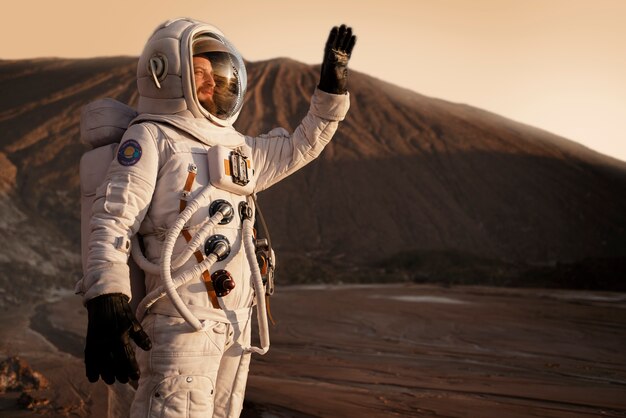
x: 556, y: 64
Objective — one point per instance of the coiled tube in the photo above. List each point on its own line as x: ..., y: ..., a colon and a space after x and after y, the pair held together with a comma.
x: 257, y: 282
x: 166, y: 258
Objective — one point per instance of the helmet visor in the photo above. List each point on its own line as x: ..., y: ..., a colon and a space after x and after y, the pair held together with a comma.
x: 220, y: 83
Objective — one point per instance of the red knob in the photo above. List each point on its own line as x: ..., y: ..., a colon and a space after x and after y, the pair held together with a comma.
x: 223, y: 282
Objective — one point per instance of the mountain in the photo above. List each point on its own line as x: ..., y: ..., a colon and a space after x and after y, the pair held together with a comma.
x: 410, y: 188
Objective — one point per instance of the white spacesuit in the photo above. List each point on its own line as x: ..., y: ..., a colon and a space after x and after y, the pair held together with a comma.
x: 182, y: 179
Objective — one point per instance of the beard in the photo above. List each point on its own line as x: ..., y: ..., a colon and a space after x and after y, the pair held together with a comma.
x: 223, y: 99
x: 209, y: 105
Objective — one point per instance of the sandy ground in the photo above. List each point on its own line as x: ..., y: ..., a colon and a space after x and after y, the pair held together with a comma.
x: 381, y: 351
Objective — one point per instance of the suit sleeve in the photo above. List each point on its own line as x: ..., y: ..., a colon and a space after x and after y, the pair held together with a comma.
x: 120, y: 205
x: 278, y: 154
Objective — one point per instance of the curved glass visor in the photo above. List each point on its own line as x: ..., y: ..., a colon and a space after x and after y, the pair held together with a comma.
x: 219, y: 76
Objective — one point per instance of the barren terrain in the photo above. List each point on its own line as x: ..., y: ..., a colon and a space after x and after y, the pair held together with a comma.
x: 381, y: 351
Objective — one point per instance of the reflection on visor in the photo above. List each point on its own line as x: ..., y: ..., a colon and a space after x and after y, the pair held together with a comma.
x: 228, y: 73
x: 227, y: 84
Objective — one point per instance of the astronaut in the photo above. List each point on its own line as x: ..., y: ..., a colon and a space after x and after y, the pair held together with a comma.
x: 184, y: 180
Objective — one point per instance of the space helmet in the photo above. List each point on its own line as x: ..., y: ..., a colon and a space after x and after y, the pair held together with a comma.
x: 165, y: 73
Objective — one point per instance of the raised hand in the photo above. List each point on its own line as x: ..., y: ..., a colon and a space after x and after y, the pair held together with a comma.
x: 334, y: 75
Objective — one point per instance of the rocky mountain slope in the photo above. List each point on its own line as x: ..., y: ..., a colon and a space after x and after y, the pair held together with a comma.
x: 411, y: 187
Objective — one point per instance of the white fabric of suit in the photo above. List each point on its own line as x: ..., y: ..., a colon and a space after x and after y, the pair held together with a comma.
x: 187, y: 372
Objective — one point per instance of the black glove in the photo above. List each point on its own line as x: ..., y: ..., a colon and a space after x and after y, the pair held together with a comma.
x: 108, y: 351
x: 334, y: 77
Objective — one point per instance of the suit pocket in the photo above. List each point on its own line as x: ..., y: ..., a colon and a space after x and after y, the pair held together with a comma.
x: 182, y: 396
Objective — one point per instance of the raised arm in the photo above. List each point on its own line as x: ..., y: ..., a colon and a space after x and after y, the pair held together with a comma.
x: 278, y: 153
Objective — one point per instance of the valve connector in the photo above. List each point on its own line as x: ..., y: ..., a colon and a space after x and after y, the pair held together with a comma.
x: 218, y: 245
x: 223, y: 206
x: 262, y: 244
x: 245, y: 211
x: 223, y: 282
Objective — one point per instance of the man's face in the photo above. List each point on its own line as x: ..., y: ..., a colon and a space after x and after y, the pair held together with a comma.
x: 205, y: 83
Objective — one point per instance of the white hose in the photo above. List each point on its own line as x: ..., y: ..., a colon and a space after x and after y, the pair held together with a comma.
x: 141, y: 260
x: 152, y: 297
x: 166, y: 258
x: 257, y: 282
x: 198, y: 238
x: 182, y: 277
x: 169, y: 284
x: 152, y: 268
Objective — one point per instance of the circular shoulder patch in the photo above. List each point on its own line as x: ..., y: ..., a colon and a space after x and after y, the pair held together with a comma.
x: 129, y: 153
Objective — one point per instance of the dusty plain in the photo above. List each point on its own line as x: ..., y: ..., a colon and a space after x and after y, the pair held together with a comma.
x: 380, y: 351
